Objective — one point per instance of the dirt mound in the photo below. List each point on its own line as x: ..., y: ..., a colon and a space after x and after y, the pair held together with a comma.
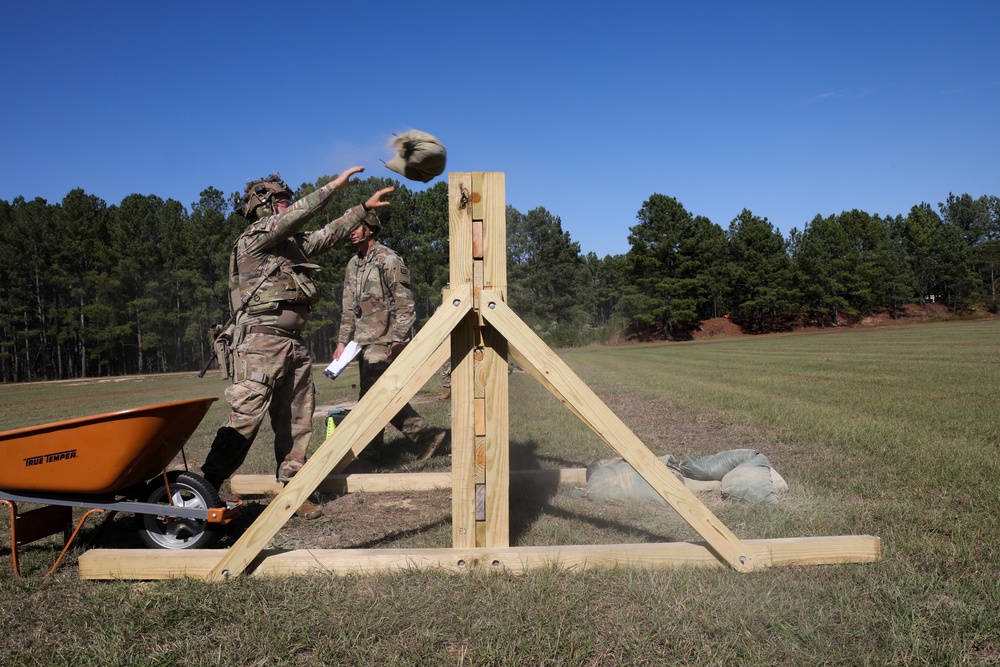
x: 724, y: 327
x: 717, y: 327
x: 907, y: 314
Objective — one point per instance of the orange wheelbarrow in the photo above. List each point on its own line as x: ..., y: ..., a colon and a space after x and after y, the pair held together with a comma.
x: 113, y: 462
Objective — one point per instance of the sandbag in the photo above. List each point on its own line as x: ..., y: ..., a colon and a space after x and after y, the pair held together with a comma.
x: 714, y: 466
x: 751, y: 482
x: 742, y: 475
x: 620, y: 481
x: 778, y: 482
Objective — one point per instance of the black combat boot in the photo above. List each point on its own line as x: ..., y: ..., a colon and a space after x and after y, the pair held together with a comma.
x: 229, y: 449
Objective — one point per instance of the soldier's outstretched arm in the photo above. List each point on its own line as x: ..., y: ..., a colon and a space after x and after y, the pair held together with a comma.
x: 273, y: 229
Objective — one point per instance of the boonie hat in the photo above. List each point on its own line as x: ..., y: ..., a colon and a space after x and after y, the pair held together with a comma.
x: 419, y: 156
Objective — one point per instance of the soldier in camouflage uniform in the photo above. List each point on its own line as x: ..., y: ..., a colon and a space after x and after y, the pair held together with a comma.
x: 446, y: 380
x: 272, y: 293
x: 378, y: 314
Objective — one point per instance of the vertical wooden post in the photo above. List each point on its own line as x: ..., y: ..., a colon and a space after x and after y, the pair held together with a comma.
x: 480, y: 444
x: 492, y: 207
x: 463, y: 337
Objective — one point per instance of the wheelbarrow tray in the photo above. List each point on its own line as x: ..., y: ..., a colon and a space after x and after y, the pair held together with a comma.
x: 100, y: 454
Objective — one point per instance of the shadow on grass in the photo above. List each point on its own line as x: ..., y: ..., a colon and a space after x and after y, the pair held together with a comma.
x: 401, y: 535
x: 399, y: 452
x: 531, y: 499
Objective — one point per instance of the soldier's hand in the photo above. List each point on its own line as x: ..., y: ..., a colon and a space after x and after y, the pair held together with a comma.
x: 396, y: 349
x: 339, y: 351
x: 378, y: 200
x: 344, y: 180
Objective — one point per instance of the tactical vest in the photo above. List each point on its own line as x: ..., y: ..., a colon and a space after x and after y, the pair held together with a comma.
x: 283, y: 277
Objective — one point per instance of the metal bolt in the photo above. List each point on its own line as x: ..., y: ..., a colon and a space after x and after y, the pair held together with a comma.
x: 456, y: 303
x: 461, y: 563
x: 493, y: 305
x: 743, y: 560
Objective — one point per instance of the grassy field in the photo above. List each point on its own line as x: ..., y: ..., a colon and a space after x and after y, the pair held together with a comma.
x: 891, y: 432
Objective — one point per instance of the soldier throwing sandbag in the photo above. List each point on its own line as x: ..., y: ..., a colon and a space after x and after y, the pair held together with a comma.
x: 272, y: 294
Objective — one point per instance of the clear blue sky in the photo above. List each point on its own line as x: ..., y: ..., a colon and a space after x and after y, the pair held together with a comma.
x: 789, y: 109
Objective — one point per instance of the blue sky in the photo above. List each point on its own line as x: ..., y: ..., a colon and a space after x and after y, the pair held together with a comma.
x: 789, y: 109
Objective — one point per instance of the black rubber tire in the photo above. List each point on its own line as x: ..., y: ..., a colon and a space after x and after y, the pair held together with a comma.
x: 164, y: 532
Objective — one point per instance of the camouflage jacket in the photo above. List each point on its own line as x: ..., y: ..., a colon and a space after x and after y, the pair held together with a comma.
x: 379, y: 283
x: 273, y: 253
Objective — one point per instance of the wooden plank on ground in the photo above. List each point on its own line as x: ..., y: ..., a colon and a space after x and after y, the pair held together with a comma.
x: 571, y: 390
x: 385, y: 482
x: 151, y: 564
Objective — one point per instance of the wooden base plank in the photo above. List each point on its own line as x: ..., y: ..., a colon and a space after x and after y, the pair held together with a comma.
x: 263, y: 485
x: 139, y: 564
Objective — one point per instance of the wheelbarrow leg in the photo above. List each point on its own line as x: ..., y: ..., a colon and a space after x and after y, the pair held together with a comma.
x: 69, y: 538
x: 13, y: 532
x: 39, y: 523
x: 96, y: 535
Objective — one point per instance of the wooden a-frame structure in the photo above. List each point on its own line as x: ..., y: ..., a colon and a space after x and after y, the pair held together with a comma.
x: 482, y: 331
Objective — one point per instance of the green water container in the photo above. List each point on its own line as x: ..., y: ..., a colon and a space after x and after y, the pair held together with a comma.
x: 333, y: 419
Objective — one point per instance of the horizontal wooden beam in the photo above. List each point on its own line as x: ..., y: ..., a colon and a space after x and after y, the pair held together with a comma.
x: 257, y: 485
x: 150, y: 564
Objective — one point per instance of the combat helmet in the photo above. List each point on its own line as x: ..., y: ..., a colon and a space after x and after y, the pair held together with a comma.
x: 372, y: 221
x: 260, y: 192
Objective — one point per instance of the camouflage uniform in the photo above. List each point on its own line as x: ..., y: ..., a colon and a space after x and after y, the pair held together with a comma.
x: 379, y: 284
x: 446, y: 375
x: 272, y: 369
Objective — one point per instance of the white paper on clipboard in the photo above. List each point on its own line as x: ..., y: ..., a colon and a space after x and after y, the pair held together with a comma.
x: 337, y: 366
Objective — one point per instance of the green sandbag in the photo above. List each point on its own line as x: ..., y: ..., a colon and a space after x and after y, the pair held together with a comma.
x: 750, y: 482
x: 620, y: 481
x: 715, y: 466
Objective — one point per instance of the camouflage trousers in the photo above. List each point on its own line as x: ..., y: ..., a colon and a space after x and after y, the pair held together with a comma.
x: 272, y: 377
x: 446, y: 375
x: 408, y: 421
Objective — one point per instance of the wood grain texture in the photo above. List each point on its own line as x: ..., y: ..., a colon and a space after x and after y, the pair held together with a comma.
x: 152, y: 564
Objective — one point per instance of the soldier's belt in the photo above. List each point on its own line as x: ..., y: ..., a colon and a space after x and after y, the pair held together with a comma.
x: 275, y: 331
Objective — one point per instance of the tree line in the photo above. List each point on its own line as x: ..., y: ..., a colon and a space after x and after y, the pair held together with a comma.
x: 91, y: 289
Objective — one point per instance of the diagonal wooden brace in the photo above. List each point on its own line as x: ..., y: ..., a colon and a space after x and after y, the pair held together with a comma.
x: 559, y: 379
x: 421, y: 358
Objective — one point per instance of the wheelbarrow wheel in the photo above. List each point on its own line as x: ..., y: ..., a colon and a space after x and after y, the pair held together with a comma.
x: 166, y: 532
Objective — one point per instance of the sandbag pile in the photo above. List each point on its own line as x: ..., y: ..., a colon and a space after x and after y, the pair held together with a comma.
x: 742, y: 475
